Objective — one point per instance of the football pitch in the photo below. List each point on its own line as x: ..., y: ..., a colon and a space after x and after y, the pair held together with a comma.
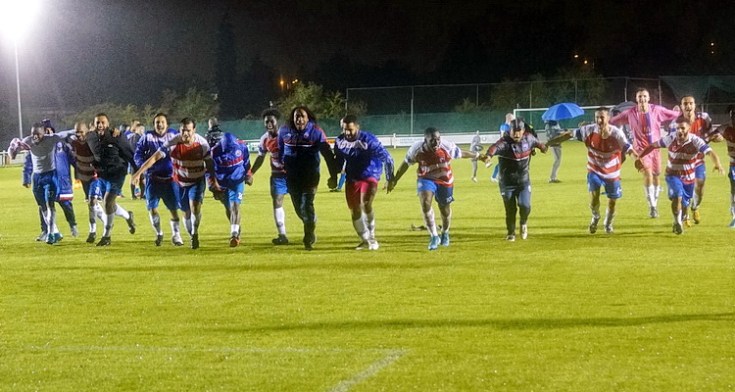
x: 642, y: 309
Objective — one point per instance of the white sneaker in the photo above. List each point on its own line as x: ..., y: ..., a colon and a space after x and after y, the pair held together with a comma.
x: 373, y: 244
x: 362, y: 245
x: 74, y: 231
x: 474, y: 179
x: 176, y: 240
x: 524, y: 232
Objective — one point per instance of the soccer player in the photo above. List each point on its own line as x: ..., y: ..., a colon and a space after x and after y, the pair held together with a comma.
x: 701, y: 125
x: 45, y: 187
x: 435, y: 180
x: 645, y: 121
x: 605, y: 145
x: 363, y: 157
x: 726, y: 132
x: 190, y: 155
x: 84, y: 171
x: 159, y: 179
x: 269, y: 144
x: 231, y: 160
x: 112, y: 154
x: 683, y: 149
x: 300, y: 142
x: 514, y: 153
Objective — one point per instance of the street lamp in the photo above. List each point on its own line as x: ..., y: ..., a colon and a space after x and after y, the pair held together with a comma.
x: 19, y: 15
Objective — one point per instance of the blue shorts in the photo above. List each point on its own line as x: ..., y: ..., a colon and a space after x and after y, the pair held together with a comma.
x: 612, y: 188
x: 700, y: 172
x: 191, y: 193
x: 731, y: 176
x: 278, y: 186
x: 93, y: 189
x: 677, y: 189
x: 45, y: 187
x: 168, y: 190
x: 233, y: 195
x: 444, y: 195
x: 112, y: 185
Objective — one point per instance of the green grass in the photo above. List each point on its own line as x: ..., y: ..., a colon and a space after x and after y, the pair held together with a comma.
x: 640, y: 310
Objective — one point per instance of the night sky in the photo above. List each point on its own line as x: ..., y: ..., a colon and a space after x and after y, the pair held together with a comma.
x: 84, y: 52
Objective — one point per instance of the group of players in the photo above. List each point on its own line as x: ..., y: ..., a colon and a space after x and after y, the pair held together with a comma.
x: 178, y: 166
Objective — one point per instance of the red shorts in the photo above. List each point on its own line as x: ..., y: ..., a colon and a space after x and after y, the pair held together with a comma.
x: 355, y: 189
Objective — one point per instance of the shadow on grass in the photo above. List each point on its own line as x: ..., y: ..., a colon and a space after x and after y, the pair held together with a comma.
x: 499, y: 324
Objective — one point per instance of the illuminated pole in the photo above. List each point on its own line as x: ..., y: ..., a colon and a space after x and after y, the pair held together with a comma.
x: 17, y: 85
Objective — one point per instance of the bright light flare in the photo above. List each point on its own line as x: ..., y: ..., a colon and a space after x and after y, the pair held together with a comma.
x: 18, y: 17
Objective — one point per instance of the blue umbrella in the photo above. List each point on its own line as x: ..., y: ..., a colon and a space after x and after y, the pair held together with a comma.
x: 562, y: 111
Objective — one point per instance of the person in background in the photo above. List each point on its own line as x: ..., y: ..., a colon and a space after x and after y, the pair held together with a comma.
x: 475, y: 146
x: 553, y: 130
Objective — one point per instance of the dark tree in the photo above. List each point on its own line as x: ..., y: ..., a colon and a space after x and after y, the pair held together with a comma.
x: 226, y: 69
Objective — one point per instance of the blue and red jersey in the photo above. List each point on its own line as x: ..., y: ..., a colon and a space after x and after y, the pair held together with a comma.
x: 300, y: 149
x: 148, y: 145
x: 514, y: 158
x: 231, y: 161
x: 364, y: 157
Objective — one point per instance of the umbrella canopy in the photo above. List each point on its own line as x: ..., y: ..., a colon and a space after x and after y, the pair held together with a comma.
x: 562, y: 111
x: 623, y: 106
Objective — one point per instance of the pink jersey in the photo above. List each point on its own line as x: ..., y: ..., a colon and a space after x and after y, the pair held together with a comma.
x: 269, y: 144
x: 645, y: 127
x: 683, y: 155
x: 728, y: 133
x: 188, y: 159
x: 434, y: 165
x: 604, y: 154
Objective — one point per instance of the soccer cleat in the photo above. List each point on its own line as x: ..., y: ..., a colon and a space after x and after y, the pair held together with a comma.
x: 159, y: 240
x: 653, y: 213
x: 593, y: 224
x: 309, y: 241
x: 373, y: 244
x: 281, y: 240
x: 91, y: 238
x: 524, y: 232
x: 609, y: 229
x: 554, y: 181
x: 434, y: 242
x: 58, y: 237
x: 105, y: 241
x: 687, y: 222
x: 195, y: 241
x: 362, y: 245
x: 510, y: 237
x: 474, y: 179
x: 494, y: 179
x: 695, y: 215
x: 74, y: 231
x: 677, y: 229
x: 42, y: 236
x: 234, y: 241
x: 445, y: 238
x: 50, y: 239
x: 176, y: 240
x: 131, y: 223
x: 732, y: 224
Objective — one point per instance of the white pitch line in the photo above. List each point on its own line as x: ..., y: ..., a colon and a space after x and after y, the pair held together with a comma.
x: 373, y: 369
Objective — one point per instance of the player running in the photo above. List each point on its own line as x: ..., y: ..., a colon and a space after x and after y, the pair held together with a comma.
x: 269, y: 144
x: 363, y: 157
x: 683, y: 149
x: 726, y: 132
x: 159, y: 179
x: 514, y: 151
x: 435, y: 180
x: 190, y: 156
